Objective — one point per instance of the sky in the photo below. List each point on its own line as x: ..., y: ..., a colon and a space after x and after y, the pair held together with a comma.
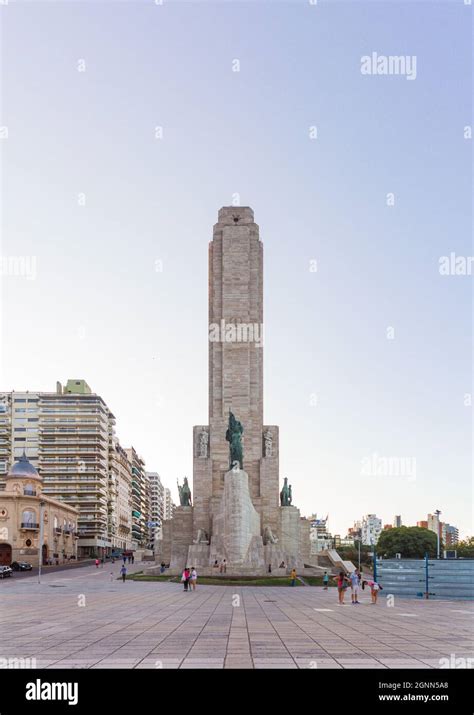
x: 129, y: 124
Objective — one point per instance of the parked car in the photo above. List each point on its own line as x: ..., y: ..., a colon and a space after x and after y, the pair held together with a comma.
x: 21, y: 566
x: 5, y: 571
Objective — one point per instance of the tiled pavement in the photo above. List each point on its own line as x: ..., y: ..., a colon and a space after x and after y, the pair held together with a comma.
x: 87, y: 620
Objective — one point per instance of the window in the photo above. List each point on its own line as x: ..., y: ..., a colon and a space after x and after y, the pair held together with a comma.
x: 28, y: 517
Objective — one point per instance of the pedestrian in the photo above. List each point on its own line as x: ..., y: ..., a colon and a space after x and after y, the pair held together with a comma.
x: 325, y: 581
x: 185, y: 578
x: 193, y: 578
x: 123, y: 573
x: 224, y: 566
x: 111, y: 575
x: 97, y: 562
x: 124, y: 560
x: 293, y: 577
x: 355, y: 579
x: 129, y: 559
x: 375, y: 587
x: 269, y: 568
x: 342, y: 582
x: 133, y: 559
x: 102, y: 562
x: 162, y: 567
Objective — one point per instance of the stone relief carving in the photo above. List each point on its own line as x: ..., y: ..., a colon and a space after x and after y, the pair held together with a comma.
x: 268, y: 440
x: 268, y: 537
x: 202, y: 537
x: 203, y: 443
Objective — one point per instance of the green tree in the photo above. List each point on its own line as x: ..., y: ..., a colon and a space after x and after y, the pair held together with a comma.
x: 466, y: 548
x: 412, y: 542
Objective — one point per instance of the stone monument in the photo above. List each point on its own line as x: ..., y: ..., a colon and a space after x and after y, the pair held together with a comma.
x: 236, y: 491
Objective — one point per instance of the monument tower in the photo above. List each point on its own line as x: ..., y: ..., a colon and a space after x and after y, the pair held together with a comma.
x: 226, y: 515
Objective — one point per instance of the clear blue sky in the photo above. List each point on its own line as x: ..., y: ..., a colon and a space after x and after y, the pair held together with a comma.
x: 99, y: 310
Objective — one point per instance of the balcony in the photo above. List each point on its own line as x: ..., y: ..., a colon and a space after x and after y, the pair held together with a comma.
x: 29, y: 492
x: 29, y: 525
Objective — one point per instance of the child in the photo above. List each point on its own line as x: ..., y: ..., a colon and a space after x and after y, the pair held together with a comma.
x: 374, y: 590
x: 325, y: 580
x: 193, y: 578
x: 342, y: 582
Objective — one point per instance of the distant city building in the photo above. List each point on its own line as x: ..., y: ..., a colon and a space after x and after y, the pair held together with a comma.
x: 371, y: 529
x: 120, y: 509
x: 156, y: 506
x: 397, y: 521
x: 387, y: 526
x: 355, y: 532
x: 320, y: 538
x: 168, y: 506
x: 450, y: 536
x: 343, y: 541
x: 139, y: 499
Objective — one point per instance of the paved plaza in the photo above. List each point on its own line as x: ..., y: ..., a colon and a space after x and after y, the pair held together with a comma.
x: 82, y: 618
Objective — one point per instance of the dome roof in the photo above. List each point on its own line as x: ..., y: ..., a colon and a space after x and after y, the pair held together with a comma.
x: 23, y: 469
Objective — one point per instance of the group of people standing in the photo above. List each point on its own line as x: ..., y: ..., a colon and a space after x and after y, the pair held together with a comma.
x: 354, y: 580
x: 189, y: 578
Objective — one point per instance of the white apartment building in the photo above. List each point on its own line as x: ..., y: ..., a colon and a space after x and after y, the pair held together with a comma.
x: 371, y: 528
x: 156, y: 499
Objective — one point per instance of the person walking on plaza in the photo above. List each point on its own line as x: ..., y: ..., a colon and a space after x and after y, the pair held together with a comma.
x: 97, y: 562
x: 355, y: 579
x: 325, y: 580
x: 123, y: 573
x: 124, y: 560
x: 342, y: 582
x: 133, y: 559
x: 193, y: 578
x: 293, y: 577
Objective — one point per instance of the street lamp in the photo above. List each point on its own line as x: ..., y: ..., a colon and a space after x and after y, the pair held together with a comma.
x: 41, y: 539
x: 437, y: 512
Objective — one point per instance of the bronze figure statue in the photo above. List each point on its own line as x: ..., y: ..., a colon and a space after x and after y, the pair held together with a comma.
x: 234, y: 437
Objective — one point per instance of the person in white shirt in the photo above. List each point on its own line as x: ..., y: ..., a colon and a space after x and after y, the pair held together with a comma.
x: 193, y: 578
x: 355, y: 579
